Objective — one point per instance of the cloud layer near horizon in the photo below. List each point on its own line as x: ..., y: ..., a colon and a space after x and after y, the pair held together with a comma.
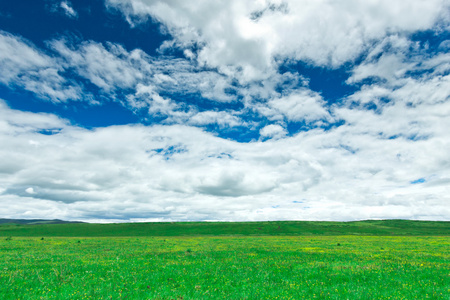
x: 51, y: 168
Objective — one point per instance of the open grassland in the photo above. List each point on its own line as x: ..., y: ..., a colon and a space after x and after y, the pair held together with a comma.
x: 227, y: 267
x: 288, y: 228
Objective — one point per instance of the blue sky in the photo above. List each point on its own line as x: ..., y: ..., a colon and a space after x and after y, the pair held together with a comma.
x: 147, y: 110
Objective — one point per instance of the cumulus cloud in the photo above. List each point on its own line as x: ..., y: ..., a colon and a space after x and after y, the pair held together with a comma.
x: 302, y: 105
x: 273, y: 131
x: 183, y: 173
x: 246, y: 40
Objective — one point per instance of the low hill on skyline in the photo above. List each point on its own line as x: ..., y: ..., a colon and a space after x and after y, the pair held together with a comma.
x: 58, y: 228
x: 35, y: 221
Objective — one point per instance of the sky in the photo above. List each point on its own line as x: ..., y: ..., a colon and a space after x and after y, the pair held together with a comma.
x: 226, y: 110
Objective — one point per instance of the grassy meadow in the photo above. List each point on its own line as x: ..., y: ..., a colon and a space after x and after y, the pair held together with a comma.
x: 327, y: 264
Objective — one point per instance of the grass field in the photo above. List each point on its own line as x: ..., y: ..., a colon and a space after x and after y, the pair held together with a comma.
x: 292, y: 228
x: 314, y: 265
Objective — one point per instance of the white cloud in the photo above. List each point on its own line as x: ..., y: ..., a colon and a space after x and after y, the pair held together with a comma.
x: 112, y: 69
x: 182, y: 173
x: 389, y: 60
x: 222, y: 118
x: 62, y: 7
x: 109, y: 69
x: 412, y: 80
x: 23, y: 65
x: 68, y: 9
x: 26, y: 121
x: 30, y: 190
x: 243, y: 39
x: 273, y: 131
x: 157, y: 104
x: 301, y: 105
x: 17, y: 57
x: 387, y: 67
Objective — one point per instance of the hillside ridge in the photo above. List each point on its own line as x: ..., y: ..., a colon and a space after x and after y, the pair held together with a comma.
x: 267, y: 228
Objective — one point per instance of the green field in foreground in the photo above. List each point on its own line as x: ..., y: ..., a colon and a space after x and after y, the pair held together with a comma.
x: 264, y: 267
x: 282, y: 228
x: 389, y: 259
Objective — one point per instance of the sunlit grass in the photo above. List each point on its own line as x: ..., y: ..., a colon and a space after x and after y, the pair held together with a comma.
x: 360, y: 267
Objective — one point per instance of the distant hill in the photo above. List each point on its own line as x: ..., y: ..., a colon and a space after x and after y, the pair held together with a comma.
x: 34, y: 221
x: 48, y: 228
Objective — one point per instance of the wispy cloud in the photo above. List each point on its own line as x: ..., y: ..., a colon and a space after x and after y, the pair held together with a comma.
x: 25, y: 66
x: 108, y: 69
x: 68, y: 9
x: 222, y: 119
x: 62, y: 8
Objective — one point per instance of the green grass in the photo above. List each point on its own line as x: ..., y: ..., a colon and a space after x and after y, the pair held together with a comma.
x: 261, y: 260
x: 361, y: 267
x: 384, y: 227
